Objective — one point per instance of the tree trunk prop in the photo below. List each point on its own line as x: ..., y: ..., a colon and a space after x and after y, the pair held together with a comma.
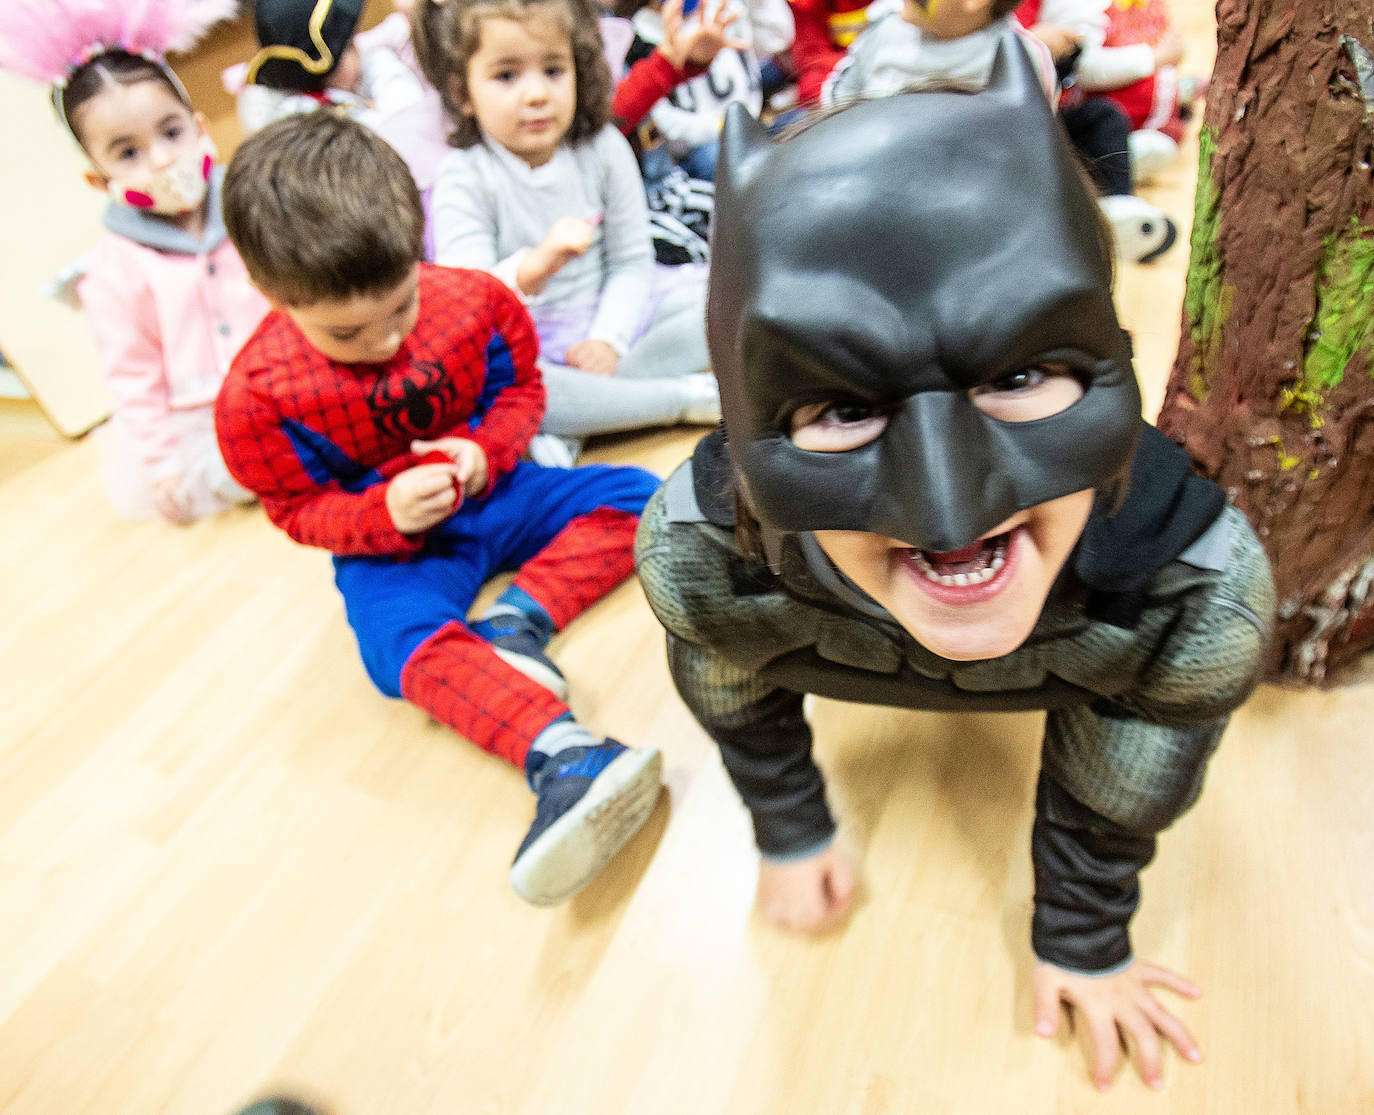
x: 1272, y: 391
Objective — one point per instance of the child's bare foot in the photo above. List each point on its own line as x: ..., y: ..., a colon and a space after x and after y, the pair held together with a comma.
x: 811, y: 894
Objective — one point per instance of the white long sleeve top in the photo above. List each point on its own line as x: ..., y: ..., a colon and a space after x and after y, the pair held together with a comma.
x: 490, y: 207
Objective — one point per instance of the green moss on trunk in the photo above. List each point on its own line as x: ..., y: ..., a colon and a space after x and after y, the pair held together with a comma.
x: 1207, y: 300
x: 1343, y: 321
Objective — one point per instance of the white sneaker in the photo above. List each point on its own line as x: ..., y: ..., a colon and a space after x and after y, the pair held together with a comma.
x: 1151, y: 152
x: 1142, y: 231
x: 702, y: 407
x: 553, y: 451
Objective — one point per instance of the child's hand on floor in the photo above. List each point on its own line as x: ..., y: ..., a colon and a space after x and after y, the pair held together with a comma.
x: 567, y: 238
x: 698, y: 42
x: 170, y: 500
x: 1116, y: 1009
x: 592, y: 356
x: 811, y: 894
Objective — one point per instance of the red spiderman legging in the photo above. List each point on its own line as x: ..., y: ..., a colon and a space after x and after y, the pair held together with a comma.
x: 569, y: 532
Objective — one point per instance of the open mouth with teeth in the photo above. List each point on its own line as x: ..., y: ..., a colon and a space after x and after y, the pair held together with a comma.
x: 972, y: 572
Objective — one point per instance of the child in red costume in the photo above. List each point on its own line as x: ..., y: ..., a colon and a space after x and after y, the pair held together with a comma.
x: 373, y: 362
x: 1139, y: 72
x: 825, y: 30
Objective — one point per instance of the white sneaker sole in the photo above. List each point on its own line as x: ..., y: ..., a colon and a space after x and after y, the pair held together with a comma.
x: 537, y: 672
x: 582, y: 841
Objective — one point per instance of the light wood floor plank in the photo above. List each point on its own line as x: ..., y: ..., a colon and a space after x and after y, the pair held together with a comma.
x: 228, y: 865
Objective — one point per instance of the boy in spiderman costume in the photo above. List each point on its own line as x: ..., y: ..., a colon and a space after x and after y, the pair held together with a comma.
x: 380, y: 412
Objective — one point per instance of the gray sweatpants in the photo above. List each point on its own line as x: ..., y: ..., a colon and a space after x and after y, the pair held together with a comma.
x: 647, y: 388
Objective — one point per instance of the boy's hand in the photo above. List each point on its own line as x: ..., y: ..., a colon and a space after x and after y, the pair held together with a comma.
x: 1060, y: 40
x: 699, y: 42
x: 471, y: 459
x: 426, y: 495
x: 592, y: 356
x: 170, y: 501
x: 567, y: 238
x: 1116, y: 1009
x: 1169, y: 49
x: 811, y: 894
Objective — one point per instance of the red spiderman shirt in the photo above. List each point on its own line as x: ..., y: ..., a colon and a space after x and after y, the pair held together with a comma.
x: 317, y: 440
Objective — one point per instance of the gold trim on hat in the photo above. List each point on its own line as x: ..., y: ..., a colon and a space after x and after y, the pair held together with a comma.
x: 321, y: 65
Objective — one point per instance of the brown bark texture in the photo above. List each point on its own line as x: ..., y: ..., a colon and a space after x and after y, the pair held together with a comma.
x: 1272, y: 390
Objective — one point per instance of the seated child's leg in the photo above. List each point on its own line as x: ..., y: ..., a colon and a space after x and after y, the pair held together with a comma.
x: 459, y: 679
x: 592, y: 794
x: 585, y: 560
x: 674, y: 344
x: 581, y: 403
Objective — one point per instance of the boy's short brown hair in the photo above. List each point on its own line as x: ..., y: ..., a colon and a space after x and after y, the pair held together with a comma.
x: 321, y: 208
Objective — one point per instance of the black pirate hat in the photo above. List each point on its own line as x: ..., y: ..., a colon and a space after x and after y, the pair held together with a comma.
x: 301, y: 41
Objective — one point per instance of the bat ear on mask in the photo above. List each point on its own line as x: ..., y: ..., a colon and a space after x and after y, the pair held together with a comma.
x: 1013, y: 76
x: 744, y: 146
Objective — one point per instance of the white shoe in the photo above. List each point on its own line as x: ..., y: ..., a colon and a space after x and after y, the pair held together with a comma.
x: 1151, y: 152
x: 703, y: 400
x: 553, y: 451
x: 1142, y: 232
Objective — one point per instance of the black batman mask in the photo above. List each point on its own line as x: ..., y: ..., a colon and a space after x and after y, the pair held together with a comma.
x: 896, y: 255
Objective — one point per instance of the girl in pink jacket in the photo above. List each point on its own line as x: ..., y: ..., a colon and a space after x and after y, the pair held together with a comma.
x: 168, y: 300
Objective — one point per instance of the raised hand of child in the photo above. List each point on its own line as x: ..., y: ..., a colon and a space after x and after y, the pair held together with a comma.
x: 697, y: 43
x: 1117, y: 1008
x: 811, y: 894
x: 593, y: 356
x: 567, y: 238
x: 171, y: 501
x: 1060, y: 40
x: 1169, y: 49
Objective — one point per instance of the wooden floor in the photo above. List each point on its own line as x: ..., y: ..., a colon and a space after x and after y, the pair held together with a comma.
x: 228, y: 866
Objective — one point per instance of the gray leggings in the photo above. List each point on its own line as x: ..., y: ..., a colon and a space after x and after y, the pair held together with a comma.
x: 647, y: 388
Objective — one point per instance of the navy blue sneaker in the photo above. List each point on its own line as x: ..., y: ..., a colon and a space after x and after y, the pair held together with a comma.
x: 521, y: 649
x: 591, y: 800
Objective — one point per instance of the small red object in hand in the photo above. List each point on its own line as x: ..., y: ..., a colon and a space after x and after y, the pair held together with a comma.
x: 439, y: 457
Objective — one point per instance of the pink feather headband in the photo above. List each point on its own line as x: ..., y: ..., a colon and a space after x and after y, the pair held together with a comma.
x: 48, y: 40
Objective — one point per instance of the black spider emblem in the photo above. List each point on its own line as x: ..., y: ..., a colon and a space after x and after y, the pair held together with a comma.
x: 408, y: 407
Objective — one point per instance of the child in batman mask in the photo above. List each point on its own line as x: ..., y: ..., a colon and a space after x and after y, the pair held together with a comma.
x: 935, y: 491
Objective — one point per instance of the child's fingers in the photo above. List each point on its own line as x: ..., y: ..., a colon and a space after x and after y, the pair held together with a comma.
x: 1174, y: 1031
x: 839, y: 889
x: 1142, y: 1039
x: 1105, y: 1040
x: 1045, y: 993
x: 1153, y: 974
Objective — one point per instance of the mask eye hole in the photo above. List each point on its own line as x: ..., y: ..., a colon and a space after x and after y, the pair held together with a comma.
x: 1028, y: 394
x: 835, y: 427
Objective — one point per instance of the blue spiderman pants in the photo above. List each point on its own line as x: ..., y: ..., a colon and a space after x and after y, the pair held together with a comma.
x: 570, y: 535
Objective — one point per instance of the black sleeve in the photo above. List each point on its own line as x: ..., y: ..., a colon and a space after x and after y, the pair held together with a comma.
x: 765, y: 743
x: 1087, y: 882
